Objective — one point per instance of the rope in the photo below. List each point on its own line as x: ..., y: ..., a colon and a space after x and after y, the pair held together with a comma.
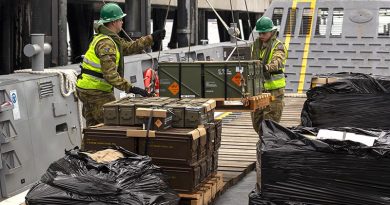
x: 68, y: 79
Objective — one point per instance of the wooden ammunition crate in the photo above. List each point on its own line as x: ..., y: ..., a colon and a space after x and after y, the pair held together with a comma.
x: 186, y: 178
x: 174, y: 146
x: 99, y: 138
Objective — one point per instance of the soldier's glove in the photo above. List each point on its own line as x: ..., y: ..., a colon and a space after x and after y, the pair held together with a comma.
x: 137, y: 90
x: 158, y: 35
x: 266, y: 72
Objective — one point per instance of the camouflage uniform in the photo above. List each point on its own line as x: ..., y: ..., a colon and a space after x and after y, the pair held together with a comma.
x: 274, y: 111
x: 105, y: 50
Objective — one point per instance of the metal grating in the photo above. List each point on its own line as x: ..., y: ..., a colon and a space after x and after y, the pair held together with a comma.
x: 291, y: 21
x: 46, y: 89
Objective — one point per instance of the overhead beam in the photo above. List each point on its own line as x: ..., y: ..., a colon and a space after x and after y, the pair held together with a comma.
x: 256, y: 6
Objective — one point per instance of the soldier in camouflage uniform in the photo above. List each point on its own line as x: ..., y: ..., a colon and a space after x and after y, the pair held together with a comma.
x: 103, y: 66
x: 273, y: 55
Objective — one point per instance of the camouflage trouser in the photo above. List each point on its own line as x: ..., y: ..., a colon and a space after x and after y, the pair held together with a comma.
x: 93, y: 101
x: 272, y: 112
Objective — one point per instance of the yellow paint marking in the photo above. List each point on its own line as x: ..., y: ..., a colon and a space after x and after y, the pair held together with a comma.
x: 288, y: 36
x: 302, y: 74
x: 225, y: 114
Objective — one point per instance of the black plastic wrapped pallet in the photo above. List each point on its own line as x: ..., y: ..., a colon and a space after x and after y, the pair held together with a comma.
x: 77, y: 179
x: 258, y: 166
x: 352, y: 100
x: 255, y: 199
x: 300, y: 170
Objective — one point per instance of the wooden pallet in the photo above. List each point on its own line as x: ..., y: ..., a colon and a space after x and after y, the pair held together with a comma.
x: 237, y: 155
x: 250, y: 104
x: 206, y: 193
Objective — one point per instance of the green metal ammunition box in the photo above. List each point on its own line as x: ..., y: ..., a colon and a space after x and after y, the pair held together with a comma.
x: 145, y: 104
x: 158, y: 123
x: 195, y: 116
x: 258, y: 81
x: 111, y: 113
x: 224, y: 80
x: 126, y: 113
x: 208, y: 79
x: 178, y: 114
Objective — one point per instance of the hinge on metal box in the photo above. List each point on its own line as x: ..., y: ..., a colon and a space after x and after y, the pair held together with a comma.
x: 45, y: 89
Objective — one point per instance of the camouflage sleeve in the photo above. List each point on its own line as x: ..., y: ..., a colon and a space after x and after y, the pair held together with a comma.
x: 277, y: 59
x: 134, y: 47
x: 106, y: 51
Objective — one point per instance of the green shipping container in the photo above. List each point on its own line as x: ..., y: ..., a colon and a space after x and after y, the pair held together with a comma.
x: 209, y: 79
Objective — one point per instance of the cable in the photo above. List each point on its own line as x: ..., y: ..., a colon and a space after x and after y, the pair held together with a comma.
x: 190, y: 38
x: 242, y: 80
x: 249, y: 21
x: 165, y: 22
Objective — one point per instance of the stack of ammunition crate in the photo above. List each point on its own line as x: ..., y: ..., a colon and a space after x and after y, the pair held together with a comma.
x: 181, y: 136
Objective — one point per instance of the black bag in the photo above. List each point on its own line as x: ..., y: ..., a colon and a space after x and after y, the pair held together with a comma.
x: 77, y: 179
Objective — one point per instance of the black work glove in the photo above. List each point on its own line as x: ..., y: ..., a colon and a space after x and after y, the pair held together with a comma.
x: 137, y: 90
x: 158, y: 35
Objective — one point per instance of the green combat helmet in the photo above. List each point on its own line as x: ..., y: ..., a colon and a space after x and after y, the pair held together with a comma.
x: 264, y: 24
x: 110, y: 12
